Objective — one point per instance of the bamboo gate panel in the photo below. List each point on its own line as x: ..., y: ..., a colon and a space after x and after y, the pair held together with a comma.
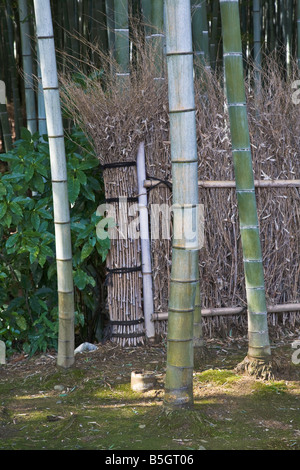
x: 124, y: 279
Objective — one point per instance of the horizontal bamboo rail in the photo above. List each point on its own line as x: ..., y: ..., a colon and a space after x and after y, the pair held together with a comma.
x: 231, y: 184
x: 213, y: 312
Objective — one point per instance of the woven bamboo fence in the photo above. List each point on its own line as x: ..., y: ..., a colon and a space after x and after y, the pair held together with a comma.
x: 118, y: 121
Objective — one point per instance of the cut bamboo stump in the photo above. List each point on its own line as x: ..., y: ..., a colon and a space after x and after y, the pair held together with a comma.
x: 142, y: 381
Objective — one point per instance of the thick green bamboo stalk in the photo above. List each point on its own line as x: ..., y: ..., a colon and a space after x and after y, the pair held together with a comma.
x: 27, y: 66
x: 42, y: 123
x: 110, y: 21
x: 259, y: 346
x: 157, y: 36
x: 271, y: 26
x: 4, y: 119
x: 185, y: 249
x: 73, y: 27
x: 44, y: 31
x: 200, y: 31
x: 146, y: 12
x: 213, y: 47
x: 99, y: 34
x: 121, y: 33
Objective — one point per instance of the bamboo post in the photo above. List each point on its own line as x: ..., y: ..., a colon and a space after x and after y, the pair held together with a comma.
x: 145, y: 245
x: 185, y: 251
x: 44, y: 31
x: 259, y: 345
x: 27, y: 66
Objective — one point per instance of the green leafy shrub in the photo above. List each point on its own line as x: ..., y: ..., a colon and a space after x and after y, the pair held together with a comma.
x: 28, y: 290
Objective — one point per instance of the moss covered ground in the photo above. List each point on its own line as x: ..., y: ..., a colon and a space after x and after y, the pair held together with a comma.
x: 92, y: 406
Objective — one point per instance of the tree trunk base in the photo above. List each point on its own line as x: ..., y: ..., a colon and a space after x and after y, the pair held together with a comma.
x: 259, y: 368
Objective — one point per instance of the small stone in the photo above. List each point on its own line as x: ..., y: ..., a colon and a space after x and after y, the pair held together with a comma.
x: 59, y: 388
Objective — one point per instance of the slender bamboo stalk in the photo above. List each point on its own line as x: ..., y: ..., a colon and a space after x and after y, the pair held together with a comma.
x: 146, y: 12
x: 110, y: 21
x: 271, y: 11
x: 18, y: 121
x: 200, y: 31
x: 145, y: 246
x: 27, y: 66
x: 157, y: 36
x: 214, y: 33
x: 121, y: 34
x: 184, y: 274
x: 6, y: 130
x: 44, y: 31
x: 257, y: 44
x: 259, y: 346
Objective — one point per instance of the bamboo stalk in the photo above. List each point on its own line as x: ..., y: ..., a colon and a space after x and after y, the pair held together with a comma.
x: 232, y: 184
x: 214, y: 31
x: 5, y: 125
x: 145, y: 245
x: 42, y: 124
x: 27, y: 66
x: 200, y: 31
x: 44, y: 31
x: 157, y: 36
x: 8, y: 34
x: 298, y: 33
x: 121, y: 35
x: 212, y: 312
x: 257, y: 44
x: 259, y: 344
x: 185, y: 252
x: 146, y: 12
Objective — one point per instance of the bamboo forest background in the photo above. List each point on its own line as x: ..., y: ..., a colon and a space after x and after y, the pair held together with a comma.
x: 91, y: 37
